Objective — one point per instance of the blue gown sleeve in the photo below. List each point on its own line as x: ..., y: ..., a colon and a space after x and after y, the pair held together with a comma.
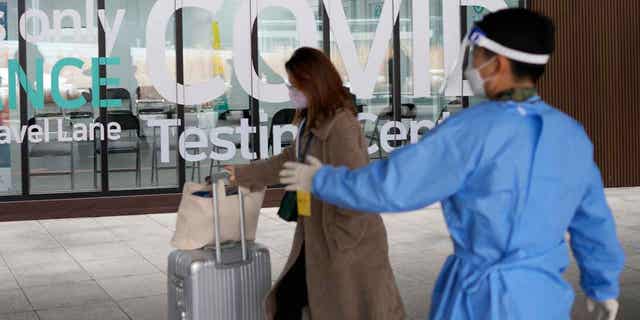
x: 412, y: 178
x: 595, y: 243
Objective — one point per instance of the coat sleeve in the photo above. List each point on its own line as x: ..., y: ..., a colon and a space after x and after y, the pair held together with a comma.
x: 412, y: 178
x: 260, y: 174
x: 595, y: 243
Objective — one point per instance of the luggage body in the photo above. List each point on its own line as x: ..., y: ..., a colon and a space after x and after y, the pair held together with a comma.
x: 202, y: 288
x: 225, y: 282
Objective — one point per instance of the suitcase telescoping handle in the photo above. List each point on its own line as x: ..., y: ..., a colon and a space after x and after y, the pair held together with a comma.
x: 215, y: 179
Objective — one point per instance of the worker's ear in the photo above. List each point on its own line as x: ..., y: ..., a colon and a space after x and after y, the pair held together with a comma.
x: 502, y: 65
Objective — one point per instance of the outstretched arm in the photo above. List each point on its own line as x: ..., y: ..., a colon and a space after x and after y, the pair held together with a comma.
x: 412, y: 178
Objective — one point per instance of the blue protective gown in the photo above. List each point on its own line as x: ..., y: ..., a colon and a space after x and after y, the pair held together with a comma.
x: 513, y: 178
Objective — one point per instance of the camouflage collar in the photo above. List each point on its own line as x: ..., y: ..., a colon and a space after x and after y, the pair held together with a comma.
x: 518, y: 94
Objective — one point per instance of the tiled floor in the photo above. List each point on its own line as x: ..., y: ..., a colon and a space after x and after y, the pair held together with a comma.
x: 115, y: 267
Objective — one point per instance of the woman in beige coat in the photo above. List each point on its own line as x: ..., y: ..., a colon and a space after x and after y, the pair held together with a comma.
x: 339, y: 264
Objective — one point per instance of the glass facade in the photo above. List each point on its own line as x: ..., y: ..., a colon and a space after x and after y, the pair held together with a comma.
x: 56, y: 165
x: 180, y: 89
x: 10, y: 153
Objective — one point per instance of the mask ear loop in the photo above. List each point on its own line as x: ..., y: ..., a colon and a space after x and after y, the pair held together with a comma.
x: 456, y: 67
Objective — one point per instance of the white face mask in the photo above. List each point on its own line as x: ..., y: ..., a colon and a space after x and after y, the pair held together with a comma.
x: 298, y: 99
x: 475, y: 79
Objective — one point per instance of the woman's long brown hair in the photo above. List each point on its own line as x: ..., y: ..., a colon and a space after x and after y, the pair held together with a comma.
x: 312, y: 72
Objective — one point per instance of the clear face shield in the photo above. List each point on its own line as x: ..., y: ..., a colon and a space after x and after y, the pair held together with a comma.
x: 474, y: 39
x: 461, y: 61
x: 468, y: 58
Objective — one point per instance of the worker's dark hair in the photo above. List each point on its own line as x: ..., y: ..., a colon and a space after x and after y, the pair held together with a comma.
x: 523, y: 30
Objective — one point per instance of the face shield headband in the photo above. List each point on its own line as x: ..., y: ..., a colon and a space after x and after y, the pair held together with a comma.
x: 478, y: 38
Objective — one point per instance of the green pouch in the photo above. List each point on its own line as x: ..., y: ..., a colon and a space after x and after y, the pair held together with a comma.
x: 289, y: 204
x: 289, y: 207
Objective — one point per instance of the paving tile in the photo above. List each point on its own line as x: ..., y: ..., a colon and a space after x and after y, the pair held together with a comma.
x: 416, y: 298
x: 124, y: 221
x: 120, y: 267
x: 631, y: 247
x: 269, y: 211
x: 423, y: 217
x: 130, y: 264
x: 278, y: 262
x: 134, y: 232
x: 432, y: 253
x: 422, y: 238
x: 272, y: 230
x: 87, y: 237
x: 19, y: 316
x: 280, y: 244
x: 62, y: 226
x: 630, y: 290
x: 631, y: 221
x: 36, y: 257
x: 629, y: 308
x: 630, y: 276
x: 49, y: 273
x: 159, y: 261
x: 627, y: 232
x: 635, y: 228
x: 135, y: 286
x: 13, y: 301
x: 66, y: 295
x: 7, y: 281
x: 148, y: 308
x: 102, y: 251
x: 572, y: 275
x: 631, y: 196
x: 152, y: 245
x: 103, y: 311
x: 416, y: 271
x: 20, y: 227
x: 633, y: 262
x: 167, y: 220
x: 11, y: 242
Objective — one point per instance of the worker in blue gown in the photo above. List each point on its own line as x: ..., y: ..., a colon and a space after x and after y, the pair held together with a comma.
x: 514, y: 177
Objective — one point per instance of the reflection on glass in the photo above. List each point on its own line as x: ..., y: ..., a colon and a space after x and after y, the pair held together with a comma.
x: 363, y: 19
x: 135, y: 159
x: 476, y: 13
x: 208, y: 46
x: 10, y: 164
x: 419, y: 114
x: 58, y: 165
x: 278, y: 39
x: 429, y: 110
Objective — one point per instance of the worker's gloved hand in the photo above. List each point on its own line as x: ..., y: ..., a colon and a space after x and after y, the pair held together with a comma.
x: 603, y: 310
x: 299, y: 176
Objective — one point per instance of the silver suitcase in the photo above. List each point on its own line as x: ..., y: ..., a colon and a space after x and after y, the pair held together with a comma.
x: 228, y: 282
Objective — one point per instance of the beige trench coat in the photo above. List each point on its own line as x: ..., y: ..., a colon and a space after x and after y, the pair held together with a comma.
x: 348, y: 272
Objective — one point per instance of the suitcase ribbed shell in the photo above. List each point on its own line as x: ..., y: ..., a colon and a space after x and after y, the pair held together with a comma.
x: 199, y: 288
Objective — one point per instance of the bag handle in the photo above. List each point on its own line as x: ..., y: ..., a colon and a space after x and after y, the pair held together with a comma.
x: 215, y: 180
